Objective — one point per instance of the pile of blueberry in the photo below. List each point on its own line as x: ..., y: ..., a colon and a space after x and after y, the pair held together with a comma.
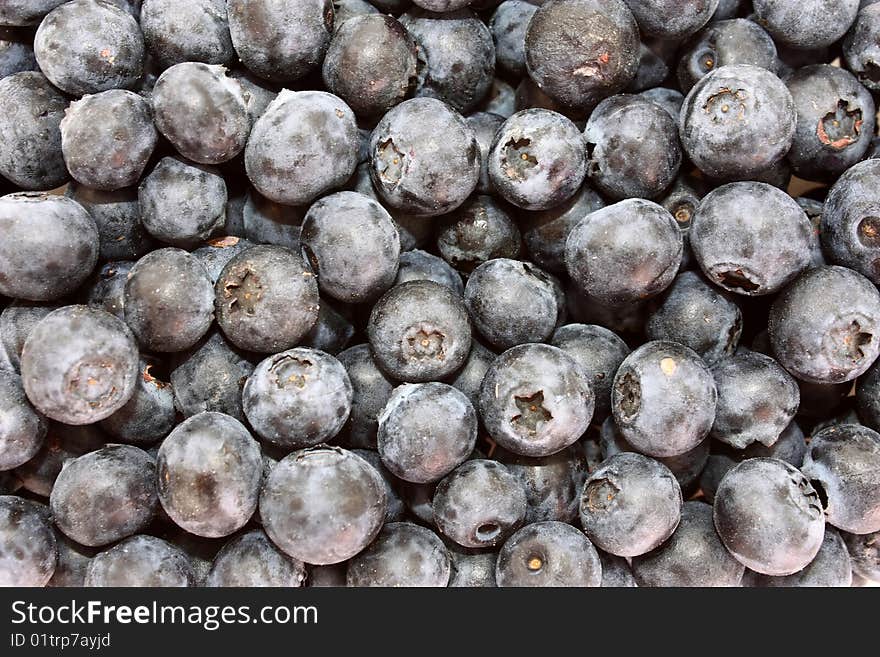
x: 439, y: 293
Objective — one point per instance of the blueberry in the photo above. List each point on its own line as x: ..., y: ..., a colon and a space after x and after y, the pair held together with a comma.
x: 304, y: 145
x: 860, y: 47
x: 62, y: 442
x: 616, y: 572
x: 624, y: 252
x: 725, y: 43
x: 478, y: 231
x: 810, y: 24
x: 168, y: 300
x: 630, y: 505
x: 345, y: 9
x: 581, y: 51
x: 258, y: 94
x: 332, y: 331
x: 417, y: 265
x: 479, y: 504
x: 672, y: 19
x: 202, y: 112
x: 544, y: 232
x: 332, y: 576
x: 323, y: 505
x: 751, y: 238
x: 268, y: 222
x: 442, y: 5
x: 87, y: 46
x: 117, y: 216
x: 485, y: 125
x: 769, y: 516
x: 469, y: 378
x: 26, y: 12
x: 552, y: 483
x: 471, y: 568
x: 693, y: 556
x: 548, y: 554
x: 842, y: 464
x: 500, y: 99
x: 508, y: 26
x: 251, y: 560
x: 455, y: 56
x: 823, y: 327
x: 425, y: 431
x: 22, y: 428
x: 148, y: 416
x: 403, y: 554
x: 371, y: 391
x: 298, y: 398
x: 415, y: 170
x: 831, y: 567
x: 396, y: 508
x: 670, y: 100
x: 73, y: 561
x: 16, y: 322
x: 867, y: 396
x: 106, y: 495
x: 182, y: 203
x: 864, y: 551
x: 419, y: 331
x: 141, y: 561
x: 276, y: 45
x: 738, y: 120
x: 79, y: 365
x: 537, y: 160
x: 632, y: 148
x: 28, y: 553
x: 194, y: 31
x: 16, y: 52
x: 850, y: 227
x: 370, y: 63
x: 266, y: 299
x: 352, y: 246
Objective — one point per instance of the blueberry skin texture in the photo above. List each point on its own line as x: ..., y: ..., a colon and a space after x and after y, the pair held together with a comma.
x: 867, y: 396
x: 62, y: 442
x: 50, y: 246
x: 216, y: 253
x: 616, y: 573
x: 456, y: 56
x: 485, y: 125
x: 625, y: 252
x: 769, y: 516
x: 419, y: 331
x: 470, y: 377
x: 693, y: 556
x: 108, y: 290
x: 22, y: 428
x: 550, y: 554
x: 479, y: 504
x: 16, y: 52
x: 251, y: 560
x: 396, y: 508
x: 268, y: 222
x: 209, y: 471
x: 537, y: 160
x: 844, y: 461
x: 16, y: 322
x: 370, y: 63
x: 725, y: 43
x: 195, y: 31
x: 26, y: 12
x: 757, y: 399
x: 28, y: 553
x: 202, y: 111
x: 87, y: 46
x: 304, y: 145
x: 442, y: 5
x: 30, y: 133
x: 331, y: 332
x: 672, y: 19
x: 403, y: 555
x: 182, y: 203
x: 169, y: 300
x: 850, y: 220
x: 699, y: 316
x: 663, y: 399
x: 552, y: 483
x: 106, y: 495
x: 570, y: 61
x: 508, y: 26
x: 864, y: 550
x: 476, y: 232
x: 148, y: 416
x: 831, y: 567
x: 107, y: 139
x: 73, y: 560
x: 471, y: 568
x: 808, y: 25
x: 413, y: 169
x: 824, y: 326
x: 544, y: 232
x: 536, y: 400
x: 141, y: 561
x: 323, y: 505
x: 754, y: 133
x: 630, y: 505
x: 371, y: 390
x: 298, y: 398
x: 511, y: 302
x: 418, y: 265
x: 210, y: 378
x: 266, y: 299
x: 79, y: 365
x: 751, y: 238
x: 275, y: 44
x: 117, y: 216
x: 352, y: 245
x: 425, y: 431
x: 670, y: 100
x: 599, y: 352
x: 632, y: 148
x: 860, y: 50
